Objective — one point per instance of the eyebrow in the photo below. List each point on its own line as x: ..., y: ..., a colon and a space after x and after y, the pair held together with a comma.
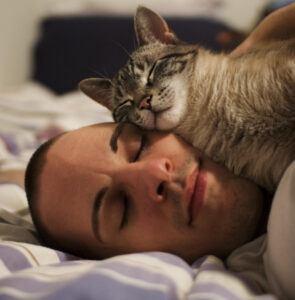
x: 95, y: 209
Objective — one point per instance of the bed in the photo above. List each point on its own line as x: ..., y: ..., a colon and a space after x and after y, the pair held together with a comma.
x: 49, y: 105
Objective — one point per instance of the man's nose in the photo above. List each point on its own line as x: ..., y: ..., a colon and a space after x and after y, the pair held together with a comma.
x: 146, y: 179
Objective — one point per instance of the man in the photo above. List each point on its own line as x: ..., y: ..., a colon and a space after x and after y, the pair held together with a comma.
x: 155, y: 193
x: 82, y: 208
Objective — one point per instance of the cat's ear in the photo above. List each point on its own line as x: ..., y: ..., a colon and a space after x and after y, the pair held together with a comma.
x: 98, y: 89
x: 150, y: 27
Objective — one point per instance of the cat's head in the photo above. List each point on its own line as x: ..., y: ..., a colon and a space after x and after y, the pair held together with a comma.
x: 151, y: 89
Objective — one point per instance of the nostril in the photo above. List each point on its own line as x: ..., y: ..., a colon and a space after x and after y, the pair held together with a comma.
x: 149, y: 99
x: 168, y: 165
x: 146, y: 102
x: 160, y: 189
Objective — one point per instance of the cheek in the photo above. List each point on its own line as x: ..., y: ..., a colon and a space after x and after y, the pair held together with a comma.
x: 150, y: 234
x: 163, y: 236
x: 224, y: 190
x: 169, y: 145
x: 231, y: 199
x: 221, y: 182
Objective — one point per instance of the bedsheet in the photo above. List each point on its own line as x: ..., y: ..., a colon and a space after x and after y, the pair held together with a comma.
x: 30, y: 270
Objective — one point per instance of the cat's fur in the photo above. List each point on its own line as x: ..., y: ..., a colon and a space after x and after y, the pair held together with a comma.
x: 238, y: 111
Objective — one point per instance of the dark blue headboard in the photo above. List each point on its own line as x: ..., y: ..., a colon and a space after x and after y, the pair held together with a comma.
x: 73, y: 48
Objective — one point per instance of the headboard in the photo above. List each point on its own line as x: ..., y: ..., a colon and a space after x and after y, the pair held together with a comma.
x: 72, y: 48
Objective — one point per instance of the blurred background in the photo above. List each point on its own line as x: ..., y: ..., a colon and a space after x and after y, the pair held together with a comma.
x: 48, y: 46
x: 42, y: 40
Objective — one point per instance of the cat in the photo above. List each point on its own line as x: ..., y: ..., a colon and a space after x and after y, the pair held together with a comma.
x: 240, y: 111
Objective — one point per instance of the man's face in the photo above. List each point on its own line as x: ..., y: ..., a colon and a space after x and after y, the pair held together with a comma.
x: 156, y: 193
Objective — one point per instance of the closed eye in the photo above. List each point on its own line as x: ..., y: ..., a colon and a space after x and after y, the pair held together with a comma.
x: 127, y: 102
x: 143, y: 142
x: 126, y: 200
x: 150, y: 76
x: 125, y: 105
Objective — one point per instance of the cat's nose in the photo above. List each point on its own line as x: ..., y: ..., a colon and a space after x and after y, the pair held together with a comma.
x: 145, y: 102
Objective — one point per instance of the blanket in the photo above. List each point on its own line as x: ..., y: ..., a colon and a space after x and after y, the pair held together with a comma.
x: 31, y: 270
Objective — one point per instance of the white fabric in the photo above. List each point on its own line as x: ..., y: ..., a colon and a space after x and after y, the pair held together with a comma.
x: 247, y: 261
x: 32, y: 114
x: 279, y: 258
x: 268, y: 263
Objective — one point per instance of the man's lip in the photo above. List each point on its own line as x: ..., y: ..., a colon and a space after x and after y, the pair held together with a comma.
x: 196, y: 199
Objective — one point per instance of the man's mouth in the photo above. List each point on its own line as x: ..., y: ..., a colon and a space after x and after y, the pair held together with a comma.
x: 197, y: 188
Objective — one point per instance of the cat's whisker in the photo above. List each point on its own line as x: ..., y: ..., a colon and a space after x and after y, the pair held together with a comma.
x: 122, y: 47
x: 135, y: 44
x: 101, y: 75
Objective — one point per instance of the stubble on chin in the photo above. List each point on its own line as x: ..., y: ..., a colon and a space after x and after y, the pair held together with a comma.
x: 246, y: 211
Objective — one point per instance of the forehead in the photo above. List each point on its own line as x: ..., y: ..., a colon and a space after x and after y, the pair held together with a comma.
x: 142, y: 57
x: 78, y: 146
x: 150, y: 52
x: 76, y: 166
x: 138, y: 66
x: 74, y: 160
x: 84, y: 153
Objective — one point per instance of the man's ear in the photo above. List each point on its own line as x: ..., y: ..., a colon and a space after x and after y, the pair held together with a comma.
x: 98, y: 89
x: 150, y: 27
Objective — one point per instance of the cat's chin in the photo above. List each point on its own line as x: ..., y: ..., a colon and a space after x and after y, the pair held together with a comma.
x: 166, y: 121
x: 159, y: 121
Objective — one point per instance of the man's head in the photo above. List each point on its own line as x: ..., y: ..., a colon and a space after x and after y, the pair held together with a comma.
x: 156, y: 193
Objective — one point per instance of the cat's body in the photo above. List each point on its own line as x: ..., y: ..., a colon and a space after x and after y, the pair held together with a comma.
x: 238, y: 111
x: 241, y: 111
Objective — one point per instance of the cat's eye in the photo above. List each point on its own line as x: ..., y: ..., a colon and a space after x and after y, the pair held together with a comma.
x: 126, y: 102
x: 125, y: 198
x: 160, y: 68
x: 151, y: 74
